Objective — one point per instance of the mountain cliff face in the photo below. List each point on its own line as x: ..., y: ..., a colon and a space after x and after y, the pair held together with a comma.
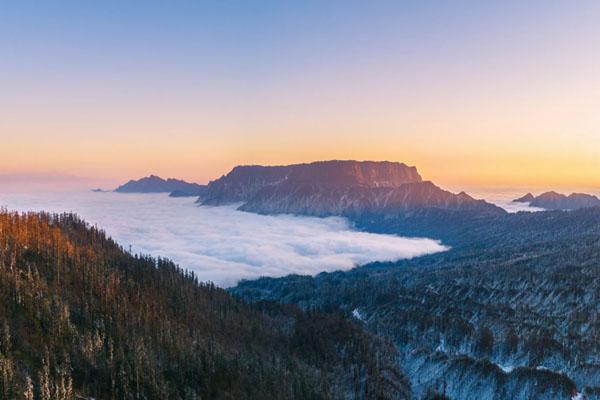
x: 347, y: 188
x: 156, y: 184
x: 557, y: 201
x: 243, y: 183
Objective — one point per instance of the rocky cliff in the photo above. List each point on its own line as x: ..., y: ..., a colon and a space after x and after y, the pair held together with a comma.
x: 245, y: 182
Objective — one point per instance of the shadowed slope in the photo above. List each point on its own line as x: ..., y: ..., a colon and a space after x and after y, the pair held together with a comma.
x: 510, y: 314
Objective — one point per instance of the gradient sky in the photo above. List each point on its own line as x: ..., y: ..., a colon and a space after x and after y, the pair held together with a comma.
x: 471, y: 92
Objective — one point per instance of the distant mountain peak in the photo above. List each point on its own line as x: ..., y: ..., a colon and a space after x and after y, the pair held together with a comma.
x: 465, y: 195
x: 156, y: 184
x: 556, y: 201
x: 525, y: 199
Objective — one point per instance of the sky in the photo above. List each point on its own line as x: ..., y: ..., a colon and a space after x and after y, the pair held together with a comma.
x: 473, y: 93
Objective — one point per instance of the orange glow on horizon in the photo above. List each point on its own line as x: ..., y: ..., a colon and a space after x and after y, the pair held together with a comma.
x: 515, y: 104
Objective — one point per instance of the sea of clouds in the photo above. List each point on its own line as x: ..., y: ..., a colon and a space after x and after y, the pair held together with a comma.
x: 221, y: 244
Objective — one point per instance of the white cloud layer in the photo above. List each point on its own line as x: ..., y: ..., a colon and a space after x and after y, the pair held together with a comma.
x: 221, y: 244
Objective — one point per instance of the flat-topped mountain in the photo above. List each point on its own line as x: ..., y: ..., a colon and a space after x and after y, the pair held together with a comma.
x: 557, y: 201
x: 354, y: 173
x: 348, y: 188
x: 244, y: 182
x: 156, y: 184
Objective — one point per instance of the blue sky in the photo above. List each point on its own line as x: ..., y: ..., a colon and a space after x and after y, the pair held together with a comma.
x: 275, y: 82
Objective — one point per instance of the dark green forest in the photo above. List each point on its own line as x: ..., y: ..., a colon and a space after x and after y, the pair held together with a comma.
x: 82, y: 318
x: 510, y: 312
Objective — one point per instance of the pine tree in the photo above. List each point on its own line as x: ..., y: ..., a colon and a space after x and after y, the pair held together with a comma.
x: 45, y: 385
x: 5, y: 339
x: 6, y: 377
x: 28, y: 393
x: 69, y: 388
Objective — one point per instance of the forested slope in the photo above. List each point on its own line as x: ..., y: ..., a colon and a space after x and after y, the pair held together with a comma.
x: 465, y: 230
x: 510, y: 313
x: 81, y: 318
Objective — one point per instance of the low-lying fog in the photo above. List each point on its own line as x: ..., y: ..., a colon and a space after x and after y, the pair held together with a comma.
x: 221, y: 244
